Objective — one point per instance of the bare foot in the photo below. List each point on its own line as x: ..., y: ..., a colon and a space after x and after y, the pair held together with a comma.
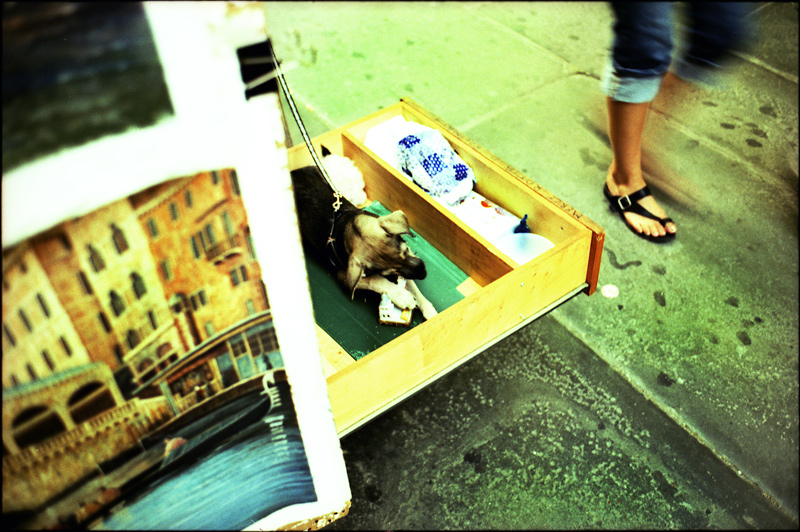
x: 642, y: 224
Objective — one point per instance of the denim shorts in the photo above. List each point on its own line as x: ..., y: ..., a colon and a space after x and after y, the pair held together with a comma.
x: 643, y: 45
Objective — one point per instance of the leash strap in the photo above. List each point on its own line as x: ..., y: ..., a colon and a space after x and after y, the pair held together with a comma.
x: 337, y: 202
x: 333, y: 254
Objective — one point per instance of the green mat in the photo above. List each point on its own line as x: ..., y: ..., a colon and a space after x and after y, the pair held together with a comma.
x: 354, y: 324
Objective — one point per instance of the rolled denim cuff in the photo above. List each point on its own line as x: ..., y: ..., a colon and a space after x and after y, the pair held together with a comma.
x: 629, y: 89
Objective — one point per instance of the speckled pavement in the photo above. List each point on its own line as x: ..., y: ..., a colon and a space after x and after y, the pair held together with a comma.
x: 673, y: 404
x: 539, y: 434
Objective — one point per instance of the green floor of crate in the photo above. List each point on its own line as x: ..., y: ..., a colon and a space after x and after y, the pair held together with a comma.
x: 354, y: 324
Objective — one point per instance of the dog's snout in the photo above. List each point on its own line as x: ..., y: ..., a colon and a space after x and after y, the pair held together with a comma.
x: 414, y: 269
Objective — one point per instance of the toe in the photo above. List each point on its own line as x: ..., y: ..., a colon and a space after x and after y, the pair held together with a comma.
x: 653, y: 229
x: 637, y: 225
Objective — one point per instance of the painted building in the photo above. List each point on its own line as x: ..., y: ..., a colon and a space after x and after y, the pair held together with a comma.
x: 97, y: 269
x: 197, y: 229
x: 39, y: 336
x: 164, y: 282
x: 134, y: 285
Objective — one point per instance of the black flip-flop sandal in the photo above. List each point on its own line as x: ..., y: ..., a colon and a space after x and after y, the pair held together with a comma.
x: 630, y: 203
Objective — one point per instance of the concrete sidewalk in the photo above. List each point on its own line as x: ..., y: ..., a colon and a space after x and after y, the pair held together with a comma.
x: 703, y: 334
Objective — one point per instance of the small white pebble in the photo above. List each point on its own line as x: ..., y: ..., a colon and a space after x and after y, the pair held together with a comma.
x: 610, y: 291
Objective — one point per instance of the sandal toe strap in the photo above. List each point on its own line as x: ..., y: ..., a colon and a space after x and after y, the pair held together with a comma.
x: 641, y: 211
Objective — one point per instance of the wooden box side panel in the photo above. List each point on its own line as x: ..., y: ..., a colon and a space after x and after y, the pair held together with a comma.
x: 503, y: 192
x: 595, y: 256
x: 494, y: 179
x: 502, y: 184
x: 376, y: 381
x: 476, y: 256
x: 412, y: 111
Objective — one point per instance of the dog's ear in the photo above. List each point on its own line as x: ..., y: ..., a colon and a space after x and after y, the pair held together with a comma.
x: 355, y: 269
x: 395, y: 223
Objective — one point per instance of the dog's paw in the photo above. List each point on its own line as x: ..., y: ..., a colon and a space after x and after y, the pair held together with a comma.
x: 427, y: 309
x: 401, y: 297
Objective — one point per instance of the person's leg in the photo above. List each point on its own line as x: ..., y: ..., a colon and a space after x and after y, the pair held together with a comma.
x: 641, y: 51
x: 626, y: 123
x: 640, y: 56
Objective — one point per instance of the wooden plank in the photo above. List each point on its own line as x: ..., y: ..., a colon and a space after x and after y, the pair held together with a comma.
x: 495, y: 181
x: 468, y: 287
x: 377, y: 380
x: 475, y: 255
x: 415, y: 112
x: 333, y: 356
x: 595, y: 257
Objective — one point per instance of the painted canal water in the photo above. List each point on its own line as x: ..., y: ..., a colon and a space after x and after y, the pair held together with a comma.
x: 248, y: 475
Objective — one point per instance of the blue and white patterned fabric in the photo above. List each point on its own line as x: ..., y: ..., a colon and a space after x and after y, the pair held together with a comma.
x: 430, y: 161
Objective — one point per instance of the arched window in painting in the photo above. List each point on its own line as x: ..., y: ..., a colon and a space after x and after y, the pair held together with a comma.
x: 138, y: 285
x: 95, y: 259
x: 133, y: 338
x: 117, y: 304
x: 120, y: 242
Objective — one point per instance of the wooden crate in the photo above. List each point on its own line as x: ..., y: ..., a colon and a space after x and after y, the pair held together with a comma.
x: 504, y: 297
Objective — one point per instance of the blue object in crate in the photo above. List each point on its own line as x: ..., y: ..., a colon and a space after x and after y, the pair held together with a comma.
x: 523, y: 226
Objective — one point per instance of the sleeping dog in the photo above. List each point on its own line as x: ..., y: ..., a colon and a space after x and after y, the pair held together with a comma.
x: 363, y: 249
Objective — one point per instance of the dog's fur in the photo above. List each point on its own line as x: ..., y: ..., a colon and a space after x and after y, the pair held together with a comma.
x: 363, y: 249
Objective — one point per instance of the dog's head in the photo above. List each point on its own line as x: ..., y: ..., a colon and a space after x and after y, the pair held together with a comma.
x: 376, y: 246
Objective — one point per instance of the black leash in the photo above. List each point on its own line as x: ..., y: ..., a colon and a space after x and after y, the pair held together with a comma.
x: 333, y: 255
x: 337, y: 196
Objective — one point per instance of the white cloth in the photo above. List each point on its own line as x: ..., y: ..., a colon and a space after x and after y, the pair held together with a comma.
x: 425, y: 156
x: 429, y: 159
x: 383, y: 138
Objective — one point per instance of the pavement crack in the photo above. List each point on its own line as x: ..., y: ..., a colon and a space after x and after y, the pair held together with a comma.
x: 757, y: 170
x: 513, y: 102
x: 769, y: 68
x: 524, y: 38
